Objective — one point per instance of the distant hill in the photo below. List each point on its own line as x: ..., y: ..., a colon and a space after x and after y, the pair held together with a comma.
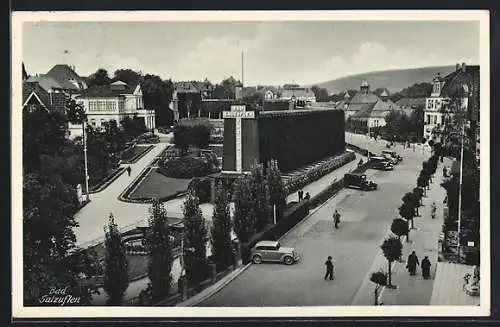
x: 392, y: 80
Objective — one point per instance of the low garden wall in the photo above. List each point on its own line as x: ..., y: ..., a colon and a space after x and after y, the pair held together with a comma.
x: 107, y: 181
x: 137, y: 156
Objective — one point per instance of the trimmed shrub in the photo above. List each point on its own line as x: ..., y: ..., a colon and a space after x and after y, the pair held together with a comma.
x: 186, y: 167
x: 148, y: 138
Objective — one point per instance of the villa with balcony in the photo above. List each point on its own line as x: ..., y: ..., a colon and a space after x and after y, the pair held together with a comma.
x: 456, y: 92
x: 112, y: 102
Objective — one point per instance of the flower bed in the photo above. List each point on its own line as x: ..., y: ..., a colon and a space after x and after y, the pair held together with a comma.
x: 148, y: 138
x: 299, y: 180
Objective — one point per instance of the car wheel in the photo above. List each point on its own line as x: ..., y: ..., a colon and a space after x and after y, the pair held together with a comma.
x: 288, y: 260
x: 257, y: 259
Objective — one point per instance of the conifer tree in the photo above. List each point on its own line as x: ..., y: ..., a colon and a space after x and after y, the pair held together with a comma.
x: 116, y: 265
x: 195, y: 239
x: 277, y: 190
x: 221, y: 228
x: 244, y: 214
x: 160, y: 259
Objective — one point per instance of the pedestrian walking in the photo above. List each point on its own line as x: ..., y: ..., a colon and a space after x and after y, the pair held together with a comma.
x: 412, y: 263
x: 445, y: 171
x: 433, y: 210
x: 426, y: 267
x: 301, y: 195
x: 329, y: 268
x: 336, y: 218
x: 129, y: 170
x: 307, y: 196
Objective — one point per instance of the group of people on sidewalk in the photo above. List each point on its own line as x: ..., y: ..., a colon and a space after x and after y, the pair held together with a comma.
x: 413, y: 262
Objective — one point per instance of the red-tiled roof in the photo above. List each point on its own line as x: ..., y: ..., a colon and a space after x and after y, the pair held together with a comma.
x: 411, y: 102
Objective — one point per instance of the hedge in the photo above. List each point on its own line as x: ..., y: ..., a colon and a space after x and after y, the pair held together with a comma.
x: 186, y: 167
x: 298, y: 181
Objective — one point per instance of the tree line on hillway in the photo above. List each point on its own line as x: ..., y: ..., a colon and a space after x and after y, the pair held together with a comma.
x: 52, y: 166
x: 158, y: 93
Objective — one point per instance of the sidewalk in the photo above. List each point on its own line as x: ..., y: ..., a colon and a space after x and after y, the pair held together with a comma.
x: 412, y: 290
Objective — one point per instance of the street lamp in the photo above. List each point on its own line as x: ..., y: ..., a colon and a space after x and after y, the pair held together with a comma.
x: 76, y: 115
x: 460, y: 189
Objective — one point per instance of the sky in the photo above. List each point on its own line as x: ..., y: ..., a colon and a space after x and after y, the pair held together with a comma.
x: 275, y: 53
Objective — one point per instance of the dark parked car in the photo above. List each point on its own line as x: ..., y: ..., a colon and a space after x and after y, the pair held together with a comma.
x: 392, y: 154
x: 381, y: 165
x: 358, y: 180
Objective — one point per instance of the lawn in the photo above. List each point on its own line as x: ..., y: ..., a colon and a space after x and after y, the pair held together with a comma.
x: 156, y: 185
x: 131, y: 153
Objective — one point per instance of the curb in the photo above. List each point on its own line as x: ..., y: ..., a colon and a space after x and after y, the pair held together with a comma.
x: 200, y: 297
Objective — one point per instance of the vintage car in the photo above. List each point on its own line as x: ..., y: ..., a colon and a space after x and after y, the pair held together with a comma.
x: 272, y: 251
x: 392, y: 154
x: 359, y: 181
x: 381, y: 165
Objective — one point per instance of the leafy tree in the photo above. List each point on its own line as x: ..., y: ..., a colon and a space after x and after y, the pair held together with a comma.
x: 200, y: 135
x: 160, y: 248
x: 407, y: 212
x: 380, y: 279
x: 290, y: 86
x: 128, y: 76
x: 221, y: 228
x: 195, y: 239
x: 423, y: 182
x: 412, y: 199
x: 244, y: 214
x: 182, y: 137
x: 321, y: 94
x: 277, y: 190
x: 116, y: 265
x: 418, y: 193
x: 418, y: 90
x: 100, y: 77
x: 399, y: 227
x: 157, y: 95
x: 392, y: 249
x: 260, y: 192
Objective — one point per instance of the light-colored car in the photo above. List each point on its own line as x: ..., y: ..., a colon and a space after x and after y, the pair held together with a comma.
x: 272, y: 251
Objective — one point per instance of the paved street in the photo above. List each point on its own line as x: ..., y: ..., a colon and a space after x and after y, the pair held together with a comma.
x: 366, y: 218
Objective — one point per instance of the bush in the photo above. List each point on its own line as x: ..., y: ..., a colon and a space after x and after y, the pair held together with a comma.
x: 186, y: 167
x: 148, y: 138
x: 202, y: 188
x: 217, y: 139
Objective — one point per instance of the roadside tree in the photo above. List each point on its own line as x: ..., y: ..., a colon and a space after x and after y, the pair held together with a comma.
x: 221, y: 228
x: 392, y: 249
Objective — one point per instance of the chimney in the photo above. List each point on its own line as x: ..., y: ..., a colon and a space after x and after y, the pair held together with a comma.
x: 457, y: 67
x: 463, y: 67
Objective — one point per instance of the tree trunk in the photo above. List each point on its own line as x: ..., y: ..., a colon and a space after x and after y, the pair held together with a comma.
x: 412, y: 227
x: 390, y: 277
x: 376, y: 294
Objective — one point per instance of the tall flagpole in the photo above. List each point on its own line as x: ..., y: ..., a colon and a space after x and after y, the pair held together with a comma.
x: 242, y: 76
